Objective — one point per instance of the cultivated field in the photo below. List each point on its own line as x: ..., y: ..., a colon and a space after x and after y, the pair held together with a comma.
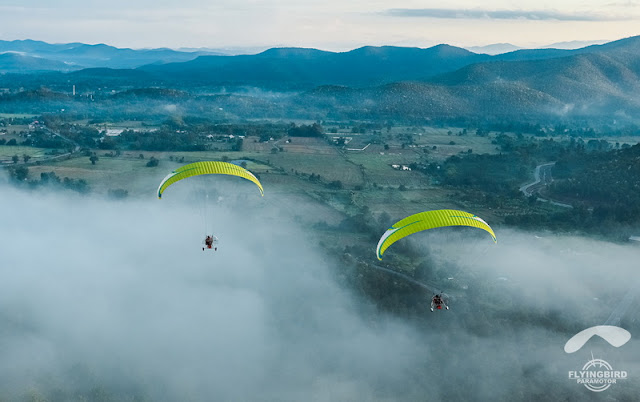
x: 376, y: 178
x: 7, y: 153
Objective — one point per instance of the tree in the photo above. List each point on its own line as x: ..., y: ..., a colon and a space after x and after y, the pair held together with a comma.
x: 19, y: 173
x: 118, y: 193
x: 153, y: 162
x: 314, y: 130
x: 50, y: 177
x: 26, y: 158
x: 15, y: 159
x: 237, y: 145
x: 81, y: 186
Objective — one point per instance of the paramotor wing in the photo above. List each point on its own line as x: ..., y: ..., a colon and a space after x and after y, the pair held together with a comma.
x: 429, y: 220
x: 207, y: 167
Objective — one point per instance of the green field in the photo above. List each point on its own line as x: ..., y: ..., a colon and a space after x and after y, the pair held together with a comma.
x: 13, y: 131
x: 17, y: 115
x: 377, y: 166
x: 7, y: 152
x: 368, y: 177
x: 107, y: 173
x: 284, y: 172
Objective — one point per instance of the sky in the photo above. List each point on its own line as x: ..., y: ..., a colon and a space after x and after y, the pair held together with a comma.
x: 325, y: 24
x: 116, y: 296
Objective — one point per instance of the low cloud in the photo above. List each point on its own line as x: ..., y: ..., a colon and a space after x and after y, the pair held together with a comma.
x: 533, y: 15
x: 118, y: 299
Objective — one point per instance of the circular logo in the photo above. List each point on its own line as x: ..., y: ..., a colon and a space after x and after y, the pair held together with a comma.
x: 598, y: 366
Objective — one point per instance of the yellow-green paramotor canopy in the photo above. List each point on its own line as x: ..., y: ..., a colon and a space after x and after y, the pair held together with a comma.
x: 209, y: 167
x: 429, y: 220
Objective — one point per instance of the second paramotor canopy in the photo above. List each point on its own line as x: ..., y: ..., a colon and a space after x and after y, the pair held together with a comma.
x: 429, y: 220
x: 207, y: 167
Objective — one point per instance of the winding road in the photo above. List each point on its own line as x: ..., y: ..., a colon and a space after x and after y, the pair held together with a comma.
x: 542, y: 178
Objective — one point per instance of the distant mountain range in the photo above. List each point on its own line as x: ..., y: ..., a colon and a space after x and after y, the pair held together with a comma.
x: 364, y: 67
x: 493, y: 49
x: 597, y: 82
x: 74, y: 56
x: 14, y: 62
x: 306, y: 68
x: 440, y: 82
x: 499, y: 48
x: 277, y: 67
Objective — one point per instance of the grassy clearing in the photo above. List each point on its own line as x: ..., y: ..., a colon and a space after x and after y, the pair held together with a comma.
x: 107, y: 173
x: 124, y: 125
x: 309, y: 146
x: 8, y: 151
x: 629, y: 140
x: 303, y: 208
x: 329, y: 167
x: 285, y: 174
x: 448, y: 145
x: 17, y: 115
x: 14, y: 130
x: 377, y: 162
x: 128, y: 171
x: 399, y: 204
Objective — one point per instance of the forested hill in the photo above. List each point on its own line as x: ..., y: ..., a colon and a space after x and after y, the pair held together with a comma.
x: 596, y: 85
x: 607, y: 181
x: 304, y: 68
x: 15, y: 63
x: 72, y: 56
x: 602, y: 85
x: 602, y: 186
x: 367, y: 66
